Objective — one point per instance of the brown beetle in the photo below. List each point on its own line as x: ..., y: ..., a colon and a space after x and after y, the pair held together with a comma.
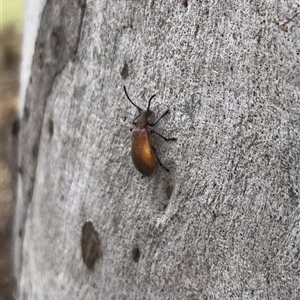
x: 142, y: 152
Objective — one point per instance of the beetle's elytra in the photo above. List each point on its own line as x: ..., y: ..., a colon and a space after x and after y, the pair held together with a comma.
x: 142, y: 152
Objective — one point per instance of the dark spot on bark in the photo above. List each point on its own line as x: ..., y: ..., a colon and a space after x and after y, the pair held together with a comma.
x: 57, y: 42
x: 35, y: 150
x: 82, y: 3
x: 41, y: 56
x: 185, y: 3
x: 214, y: 216
x: 15, y: 127
x: 55, y: 38
x: 292, y: 194
x: 196, y: 31
x: 136, y: 254
x: 90, y: 245
x: 50, y: 127
x: 164, y: 205
x: 20, y: 233
x: 20, y: 170
x: 26, y: 113
x: 29, y: 193
x: 169, y: 191
x: 124, y: 71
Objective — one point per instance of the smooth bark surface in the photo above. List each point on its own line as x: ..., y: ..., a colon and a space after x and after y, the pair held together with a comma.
x: 224, y: 223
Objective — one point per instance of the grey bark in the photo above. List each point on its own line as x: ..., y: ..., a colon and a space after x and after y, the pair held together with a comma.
x: 224, y: 223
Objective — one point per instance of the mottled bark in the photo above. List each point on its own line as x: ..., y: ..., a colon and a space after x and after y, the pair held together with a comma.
x: 224, y: 223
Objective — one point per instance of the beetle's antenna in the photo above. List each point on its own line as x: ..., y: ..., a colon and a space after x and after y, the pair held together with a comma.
x: 148, y: 109
x: 131, y: 100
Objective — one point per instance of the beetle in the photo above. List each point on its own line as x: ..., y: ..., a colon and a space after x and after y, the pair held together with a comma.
x: 142, y: 152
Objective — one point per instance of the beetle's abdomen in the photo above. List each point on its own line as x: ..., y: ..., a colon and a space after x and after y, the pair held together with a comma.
x: 141, y: 152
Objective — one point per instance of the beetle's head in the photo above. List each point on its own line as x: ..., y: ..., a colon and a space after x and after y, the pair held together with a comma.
x: 145, y: 113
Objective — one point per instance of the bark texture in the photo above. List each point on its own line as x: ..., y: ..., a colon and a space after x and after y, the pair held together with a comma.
x: 224, y: 223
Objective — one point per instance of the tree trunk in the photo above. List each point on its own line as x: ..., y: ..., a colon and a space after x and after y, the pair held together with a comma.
x: 224, y: 222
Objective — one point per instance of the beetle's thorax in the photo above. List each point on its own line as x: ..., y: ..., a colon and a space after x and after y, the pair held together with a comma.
x: 142, y: 121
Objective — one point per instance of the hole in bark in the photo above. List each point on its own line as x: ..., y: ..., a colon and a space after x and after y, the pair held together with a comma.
x: 50, y: 127
x: 124, y: 71
x: 90, y: 245
x: 136, y: 254
x: 185, y: 3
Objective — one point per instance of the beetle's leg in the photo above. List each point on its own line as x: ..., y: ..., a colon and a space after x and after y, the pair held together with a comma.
x: 166, y: 139
x: 164, y: 114
x: 154, y: 151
